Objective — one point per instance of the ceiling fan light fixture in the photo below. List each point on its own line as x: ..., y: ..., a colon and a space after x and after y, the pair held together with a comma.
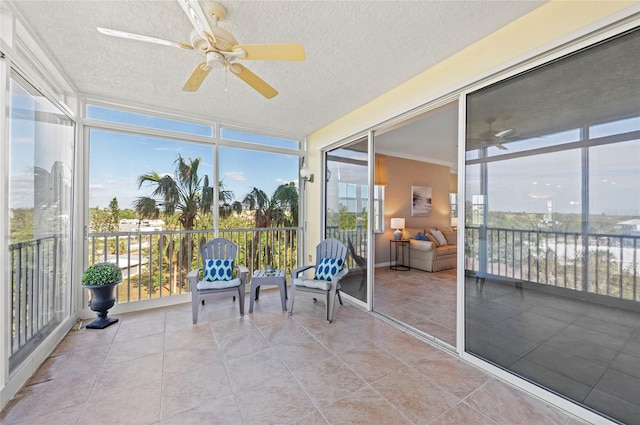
x: 234, y: 68
x: 197, y: 41
x: 215, y: 60
x: 505, y: 133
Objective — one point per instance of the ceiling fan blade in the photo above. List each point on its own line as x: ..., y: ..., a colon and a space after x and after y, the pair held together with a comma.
x: 139, y: 37
x: 278, y: 52
x: 197, y: 77
x: 199, y: 20
x: 253, y: 80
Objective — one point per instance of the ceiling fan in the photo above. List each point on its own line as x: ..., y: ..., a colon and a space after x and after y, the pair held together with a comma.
x: 494, y: 138
x: 219, y: 47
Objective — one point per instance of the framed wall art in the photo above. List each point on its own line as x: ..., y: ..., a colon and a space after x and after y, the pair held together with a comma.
x: 420, y: 201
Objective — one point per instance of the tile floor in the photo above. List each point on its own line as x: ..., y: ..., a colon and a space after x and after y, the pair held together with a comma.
x: 586, y: 351
x: 156, y: 367
x: 425, y: 301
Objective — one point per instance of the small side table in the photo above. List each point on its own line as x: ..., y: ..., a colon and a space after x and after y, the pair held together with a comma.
x: 261, y: 277
x: 400, y: 265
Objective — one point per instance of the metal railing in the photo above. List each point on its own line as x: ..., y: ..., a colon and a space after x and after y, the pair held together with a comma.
x: 604, y: 264
x: 155, y: 264
x: 36, y: 293
x: 357, y: 237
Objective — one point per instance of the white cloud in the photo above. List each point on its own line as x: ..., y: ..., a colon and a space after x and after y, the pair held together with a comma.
x: 236, y: 175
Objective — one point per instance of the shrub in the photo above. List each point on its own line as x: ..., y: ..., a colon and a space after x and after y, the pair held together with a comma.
x: 101, y: 274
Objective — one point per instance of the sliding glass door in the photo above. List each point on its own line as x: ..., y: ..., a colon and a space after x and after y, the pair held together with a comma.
x: 347, y: 210
x: 553, y: 226
x: 40, y: 187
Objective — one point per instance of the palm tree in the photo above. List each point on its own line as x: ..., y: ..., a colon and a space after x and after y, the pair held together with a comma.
x: 226, y: 203
x: 185, y: 193
x: 281, y: 210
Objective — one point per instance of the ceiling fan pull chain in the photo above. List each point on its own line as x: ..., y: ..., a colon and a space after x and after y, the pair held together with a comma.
x: 226, y: 80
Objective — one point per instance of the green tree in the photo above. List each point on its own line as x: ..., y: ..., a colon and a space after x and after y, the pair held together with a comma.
x: 185, y: 194
x: 114, y: 215
x: 99, y: 220
x: 226, y: 203
x: 279, y: 210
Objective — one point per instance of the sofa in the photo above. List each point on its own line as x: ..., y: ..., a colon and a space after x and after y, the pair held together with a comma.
x: 432, y: 255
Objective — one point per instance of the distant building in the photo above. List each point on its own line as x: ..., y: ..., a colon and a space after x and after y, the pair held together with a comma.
x: 629, y: 228
x: 135, y: 225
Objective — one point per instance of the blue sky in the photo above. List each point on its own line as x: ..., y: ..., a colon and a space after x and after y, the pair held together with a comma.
x: 117, y: 159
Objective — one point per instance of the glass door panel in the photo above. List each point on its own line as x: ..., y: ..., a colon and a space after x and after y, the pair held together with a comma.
x: 40, y: 185
x: 415, y: 280
x: 347, y: 206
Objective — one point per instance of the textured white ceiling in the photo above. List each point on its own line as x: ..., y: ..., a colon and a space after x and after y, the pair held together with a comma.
x: 355, y: 52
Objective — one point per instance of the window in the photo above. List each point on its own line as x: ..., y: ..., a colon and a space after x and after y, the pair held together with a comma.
x: 244, y: 136
x: 553, y: 225
x: 148, y: 121
x: 40, y: 187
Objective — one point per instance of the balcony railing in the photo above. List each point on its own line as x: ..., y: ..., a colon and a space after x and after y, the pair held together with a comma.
x: 37, y: 296
x: 357, y: 237
x: 603, y: 264
x: 155, y: 264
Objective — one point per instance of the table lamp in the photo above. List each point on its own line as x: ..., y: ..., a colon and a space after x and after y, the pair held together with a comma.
x: 397, y: 223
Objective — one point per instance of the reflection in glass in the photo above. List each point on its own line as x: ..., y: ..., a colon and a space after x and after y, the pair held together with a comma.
x: 40, y: 187
x: 552, y: 239
x: 346, y: 211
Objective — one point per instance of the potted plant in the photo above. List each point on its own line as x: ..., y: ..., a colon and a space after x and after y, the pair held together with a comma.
x: 101, y: 279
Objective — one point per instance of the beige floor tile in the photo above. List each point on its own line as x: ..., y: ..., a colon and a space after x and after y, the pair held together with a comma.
x: 328, y: 380
x: 420, y: 401
x: 188, y: 357
x: 69, y: 415
x: 47, y: 397
x: 135, y: 348
x: 373, y: 328
x: 229, y: 369
x: 115, y: 376
x: 450, y: 373
x: 315, y: 418
x: 222, y: 411
x: 136, y: 405
x: 462, y: 414
x: 194, y: 388
x: 83, y: 338
x: 371, y: 362
x: 301, y: 353
x: 268, y: 318
x: 276, y: 401
x: 342, y: 338
x: 192, y: 335
x: 364, y: 407
x: 405, y: 347
x: 85, y: 361
x: 505, y: 404
x: 238, y: 344
x: 220, y: 328
x: 131, y: 329
x: 286, y: 331
x: 254, y: 369
x: 221, y: 307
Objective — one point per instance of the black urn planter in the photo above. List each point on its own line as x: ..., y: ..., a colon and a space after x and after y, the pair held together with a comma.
x: 102, y: 299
